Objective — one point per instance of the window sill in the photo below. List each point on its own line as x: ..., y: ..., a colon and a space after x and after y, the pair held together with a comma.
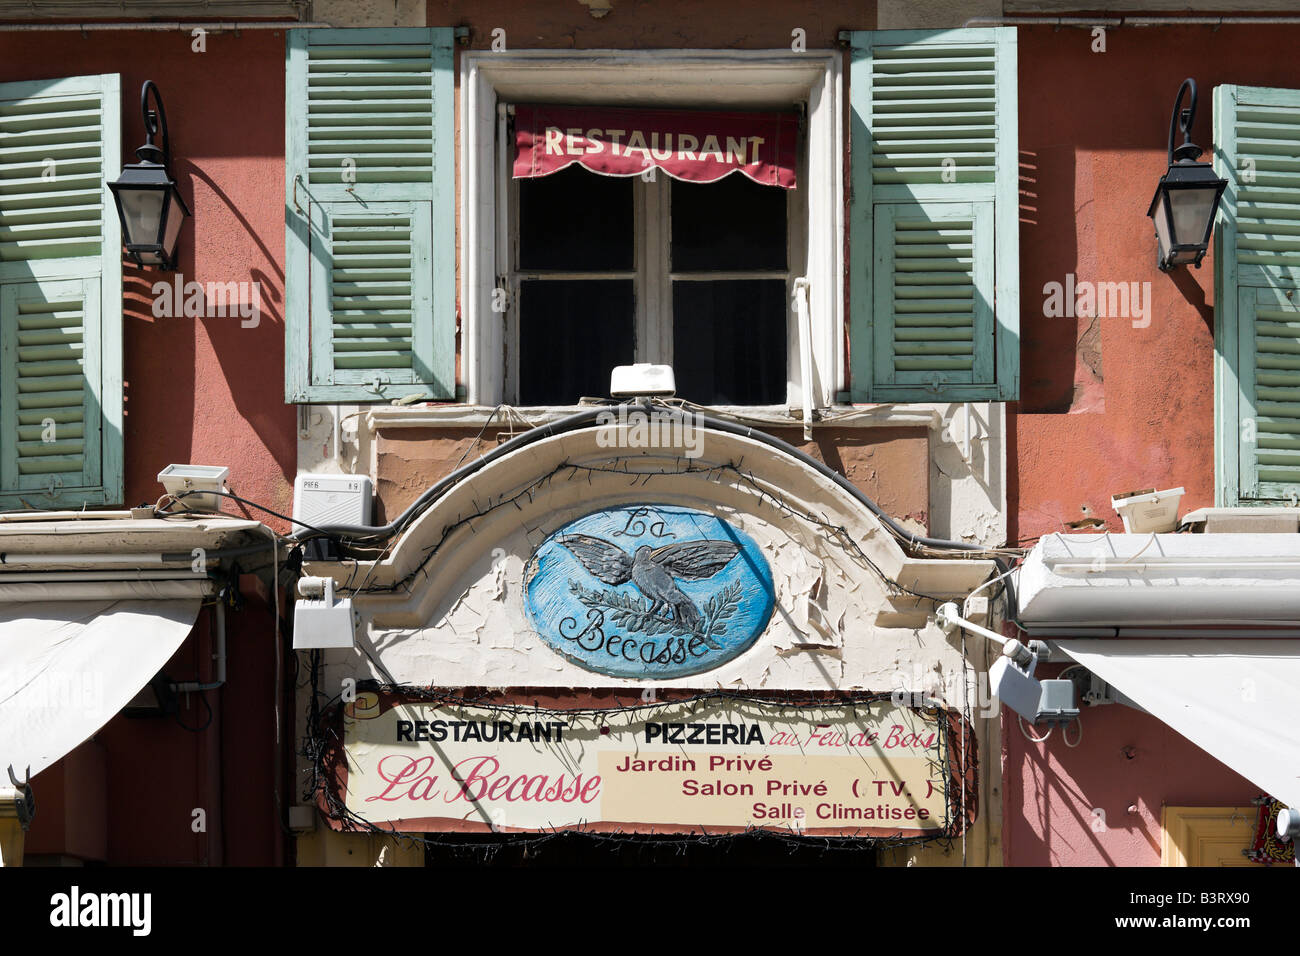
x: 774, y: 416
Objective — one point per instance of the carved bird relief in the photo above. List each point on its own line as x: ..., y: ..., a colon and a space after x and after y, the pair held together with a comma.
x: 654, y: 570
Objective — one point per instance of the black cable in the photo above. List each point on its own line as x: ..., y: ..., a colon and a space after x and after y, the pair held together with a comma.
x: 365, y: 533
x: 196, y: 730
x: 368, y: 533
x: 242, y: 501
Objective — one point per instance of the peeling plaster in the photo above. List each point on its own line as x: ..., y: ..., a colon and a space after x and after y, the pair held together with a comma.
x: 834, y: 624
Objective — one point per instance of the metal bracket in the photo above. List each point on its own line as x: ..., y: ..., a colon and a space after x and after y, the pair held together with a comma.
x: 24, y: 797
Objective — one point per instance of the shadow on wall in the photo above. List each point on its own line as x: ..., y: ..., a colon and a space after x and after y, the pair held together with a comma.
x: 1060, y: 348
x: 244, y: 320
x: 153, y: 438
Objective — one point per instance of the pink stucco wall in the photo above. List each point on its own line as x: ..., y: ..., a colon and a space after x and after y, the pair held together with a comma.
x: 1106, y: 406
x: 204, y: 390
x: 1127, y: 765
x: 201, y: 390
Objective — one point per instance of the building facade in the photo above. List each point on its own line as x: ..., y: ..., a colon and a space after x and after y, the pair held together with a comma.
x: 465, y: 589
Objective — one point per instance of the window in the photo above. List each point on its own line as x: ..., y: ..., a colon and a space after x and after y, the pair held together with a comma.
x: 1256, y: 275
x: 935, y: 216
x: 609, y: 271
x: 60, y: 294
x: 673, y: 293
x: 370, y: 231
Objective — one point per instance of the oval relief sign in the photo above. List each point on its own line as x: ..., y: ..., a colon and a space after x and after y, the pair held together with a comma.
x: 649, y: 591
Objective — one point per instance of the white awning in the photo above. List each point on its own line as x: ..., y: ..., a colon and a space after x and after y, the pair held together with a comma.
x: 66, y: 668
x: 1235, y: 698
x: 1118, y: 583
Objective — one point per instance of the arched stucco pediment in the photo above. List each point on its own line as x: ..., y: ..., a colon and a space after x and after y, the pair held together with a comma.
x: 451, y: 603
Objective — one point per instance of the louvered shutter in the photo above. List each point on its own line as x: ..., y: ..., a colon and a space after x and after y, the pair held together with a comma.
x: 370, y: 183
x: 1257, y: 289
x: 51, y: 352
x: 60, y: 294
x: 935, y: 216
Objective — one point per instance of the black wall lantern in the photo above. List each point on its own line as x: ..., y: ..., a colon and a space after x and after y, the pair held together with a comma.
x: 1186, y: 197
x: 148, y: 202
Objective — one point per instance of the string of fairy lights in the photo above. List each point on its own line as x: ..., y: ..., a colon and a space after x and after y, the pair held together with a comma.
x: 572, y: 471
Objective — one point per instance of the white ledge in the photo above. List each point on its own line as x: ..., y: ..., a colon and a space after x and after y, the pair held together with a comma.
x: 770, y: 416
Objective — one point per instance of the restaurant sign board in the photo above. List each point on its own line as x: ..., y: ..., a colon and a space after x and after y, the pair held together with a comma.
x: 719, y: 763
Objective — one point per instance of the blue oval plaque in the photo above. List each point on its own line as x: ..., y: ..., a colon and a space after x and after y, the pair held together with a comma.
x: 649, y: 591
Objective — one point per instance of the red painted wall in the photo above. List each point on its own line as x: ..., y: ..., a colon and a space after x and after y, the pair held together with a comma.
x: 202, y: 390
x: 1107, y: 407
x: 1127, y: 766
x: 1093, y: 133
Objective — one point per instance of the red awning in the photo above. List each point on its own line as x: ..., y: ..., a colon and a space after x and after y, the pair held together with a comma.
x: 695, y: 146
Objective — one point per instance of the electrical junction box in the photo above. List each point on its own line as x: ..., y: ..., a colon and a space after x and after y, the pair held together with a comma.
x: 332, y: 499
x: 320, y: 620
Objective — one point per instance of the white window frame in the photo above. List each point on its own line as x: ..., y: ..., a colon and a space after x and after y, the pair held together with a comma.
x: 697, y: 78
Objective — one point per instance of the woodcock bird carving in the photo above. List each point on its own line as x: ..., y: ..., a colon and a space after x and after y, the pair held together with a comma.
x: 653, y: 570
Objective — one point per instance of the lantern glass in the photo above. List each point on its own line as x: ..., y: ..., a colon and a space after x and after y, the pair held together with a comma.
x: 175, y: 214
x: 1160, y: 215
x: 152, y: 212
x: 1193, y: 213
x: 1183, y: 210
x: 141, y: 215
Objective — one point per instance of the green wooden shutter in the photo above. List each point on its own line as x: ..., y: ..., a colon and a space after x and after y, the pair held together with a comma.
x: 934, y: 220
x: 1269, y: 369
x: 60, y: 294
x: 1257, y: 286
x: 933, y: 294
x: 50, y: 352
x: 370, y: 182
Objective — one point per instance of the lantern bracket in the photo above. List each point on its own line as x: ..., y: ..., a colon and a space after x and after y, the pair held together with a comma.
x: 1182, y: 119
x: 155, y: 121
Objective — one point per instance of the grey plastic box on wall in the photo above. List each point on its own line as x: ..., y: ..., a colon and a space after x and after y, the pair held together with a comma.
x: 332, y: 499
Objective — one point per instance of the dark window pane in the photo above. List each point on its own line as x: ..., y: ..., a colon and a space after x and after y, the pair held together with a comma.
x: 729, y: 341
x: 571, y: 335
x: 575, y: 221
x: 728, y: 226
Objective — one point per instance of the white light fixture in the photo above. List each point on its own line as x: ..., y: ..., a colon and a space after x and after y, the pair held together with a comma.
x: 1011, y: 676
x: 319, y: 620
x: 642, y: 380
x: 179, y: 479
x: 1147, y: 511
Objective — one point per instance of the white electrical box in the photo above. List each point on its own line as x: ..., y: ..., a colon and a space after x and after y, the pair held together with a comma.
x: 320, y: 621
x: 332, y: 499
